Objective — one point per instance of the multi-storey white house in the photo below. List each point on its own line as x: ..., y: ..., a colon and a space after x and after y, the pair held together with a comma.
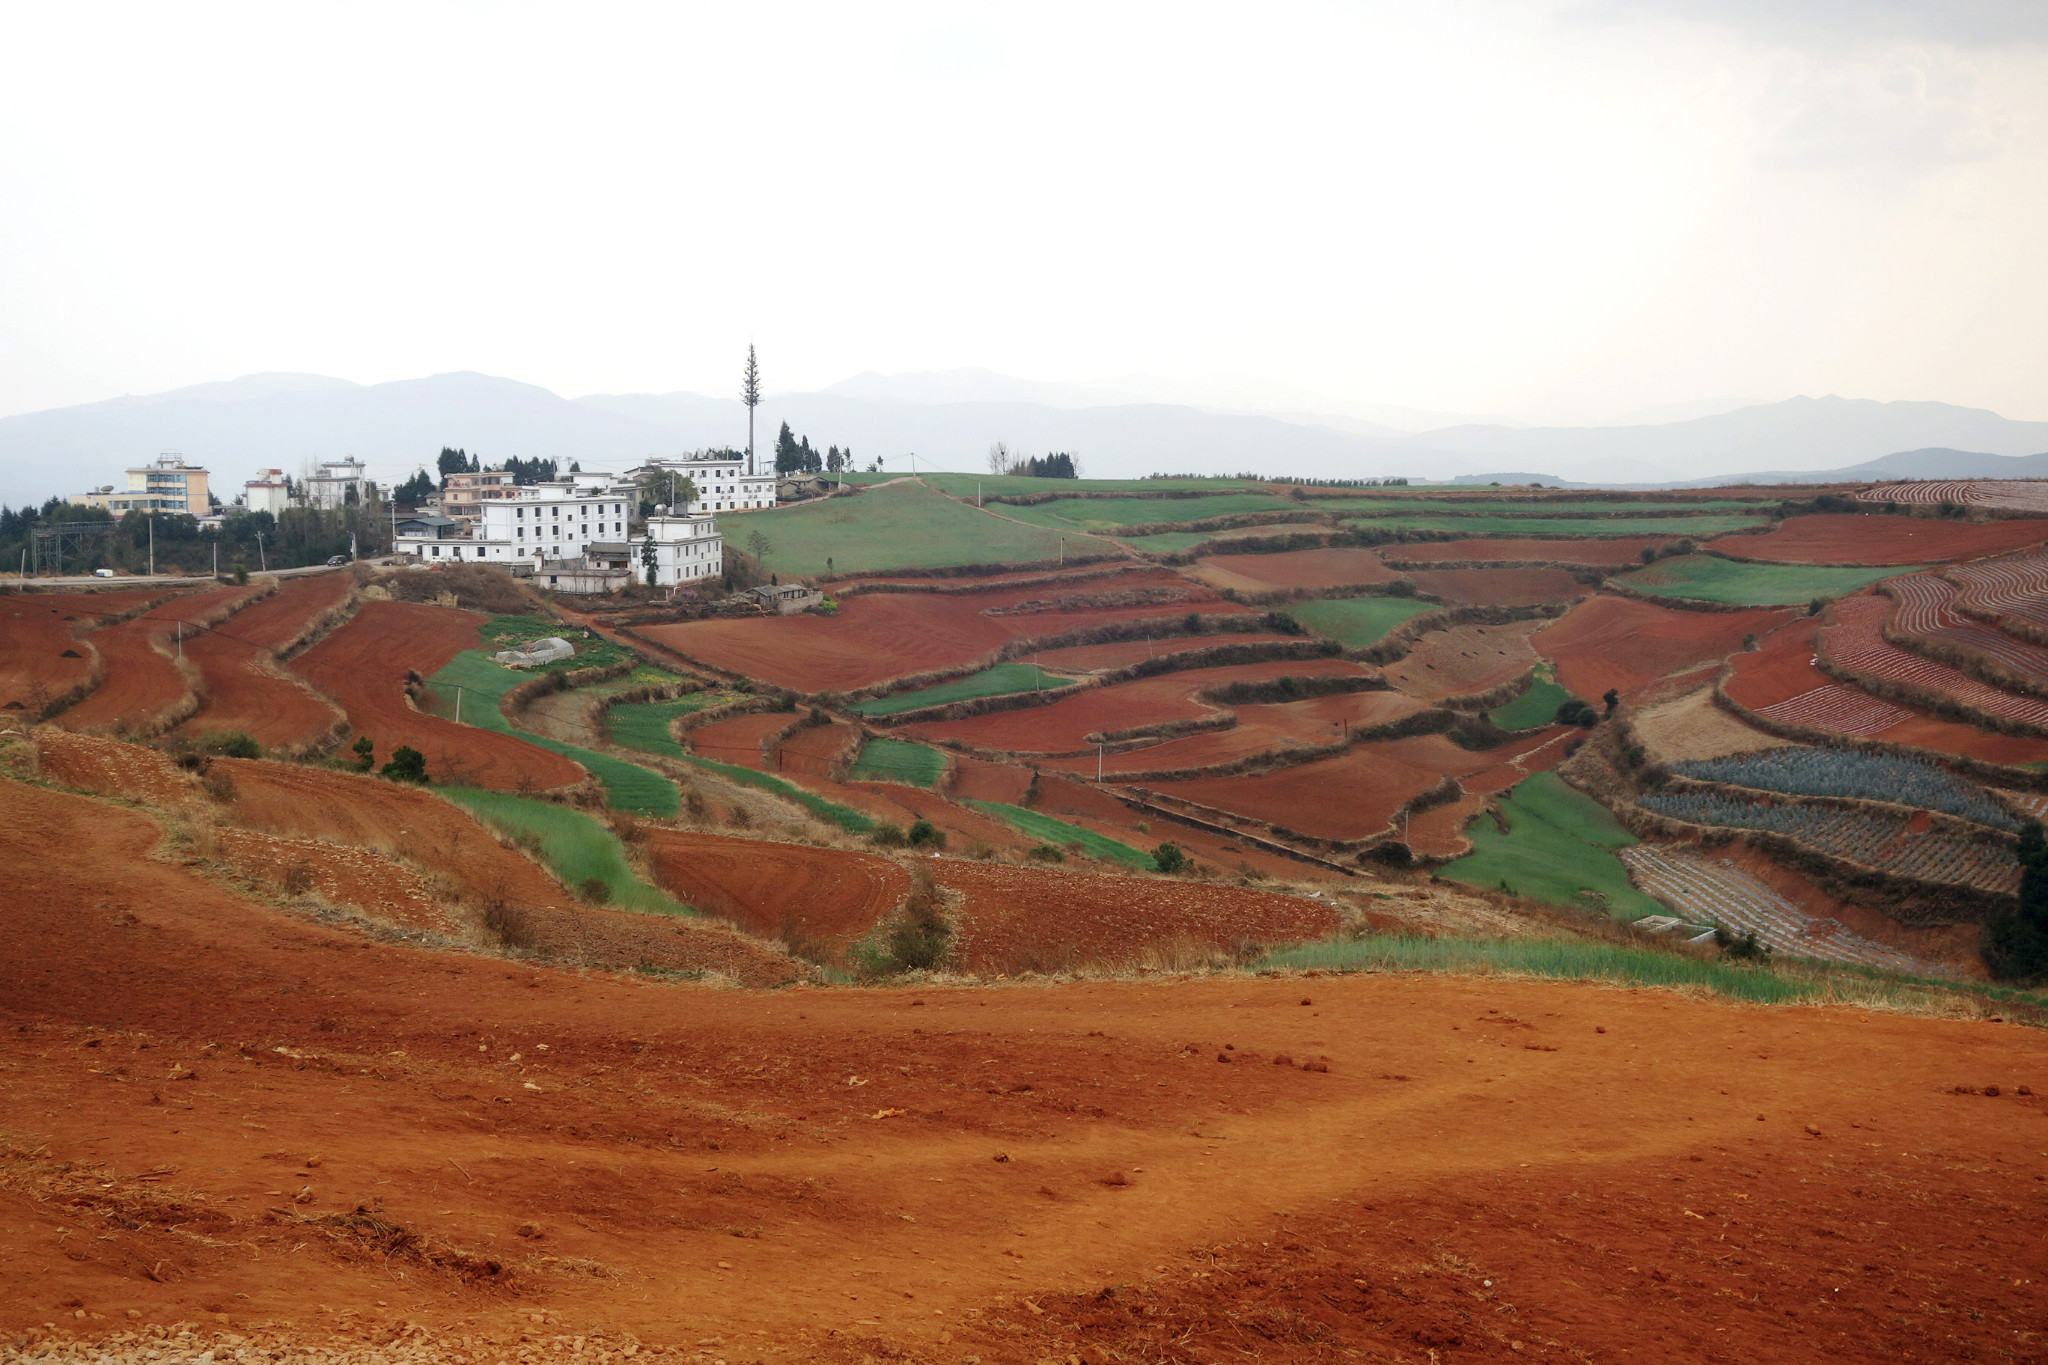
x: 268, y: 492
x: 686, y: 548
x: 723, y: 484
x: 340, y: 483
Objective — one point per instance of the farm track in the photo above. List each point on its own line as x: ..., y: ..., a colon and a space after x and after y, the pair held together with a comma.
x: 1708, y: 892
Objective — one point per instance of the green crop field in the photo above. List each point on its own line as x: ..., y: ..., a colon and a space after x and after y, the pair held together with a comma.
x: 898, y: 760
x: 1531, y: 508
x: 1559, y: 845
x: 1355, y: 622
x: 902, y: 527
x: 1058, y: 832
x: 471, y: 681
x: 1708, y: 578
x: 1104, y: 514
x: 1699, y: 528
x: 644, y: 725
x: 989, y: 485
x: 990, y: 682
x: 1174, y: 542
x: 847, y: 818
x: 1536, y: 707
x: 574, y: 846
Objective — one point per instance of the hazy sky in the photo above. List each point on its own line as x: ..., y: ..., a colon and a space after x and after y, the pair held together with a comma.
x: 1563, y: 211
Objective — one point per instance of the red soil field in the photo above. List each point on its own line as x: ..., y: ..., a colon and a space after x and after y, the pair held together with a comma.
x: 36, y: 630
x: 1330, y: 568
x: 978, y: 780
x: 1064, y: 725
x: 1465, y: 660
x: 1547, y: 1148
x: 790, y: 892
x: 964, y: 828
x: 362, y: 666
x: 382, y: 889
x: 878, y: 636
x: 1018, y: 919
x: 739, y: 740
x: 110, y: 767
x: 141, y: 683
x: 1620, y: 643
x: 1259, y: 728
x: 815, y: 748
x: 1605, y: 551
x: 1354, y: 795
x: 1875, y: 539
x: 1856, y: 642
x: 1500, y: 587
x: 1124, y: 653
x: 245, y: 689
x: 1094, y: 808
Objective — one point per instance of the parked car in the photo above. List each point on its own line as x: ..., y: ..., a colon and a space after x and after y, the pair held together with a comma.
x: 102, y: 573
x: 335, y: 561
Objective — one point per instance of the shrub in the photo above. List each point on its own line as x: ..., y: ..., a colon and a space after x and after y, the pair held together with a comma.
x: 1280, y: 623
x: 1648, y: 555
x: 241, y: 573
x: 1192, y: 623
x: 1610, y: 699
x: 2014, y: 943
x: 1046, y: 853
x: 230, y: 744
x: 886, y: 835
x: 919, y: 939
x: 364, y: 753
x: 923, y: 832
x: 298, y: 878
x: 512, y: 925
x: 1401, y: 587
x: 1393, y: 853
x: 407, y: 765
x: 218, y: 786
x: 1742, y: 947
x: 593, y: 891
x: 1816, y: 606
x: 1573, y: 711
x: 1170, y: 859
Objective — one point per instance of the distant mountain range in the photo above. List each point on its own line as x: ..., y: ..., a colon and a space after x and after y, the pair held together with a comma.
x: 949, y: 419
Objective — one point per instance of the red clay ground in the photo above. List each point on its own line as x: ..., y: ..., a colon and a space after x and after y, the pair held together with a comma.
x: 739, y: 740
x: 808, y: 1175
x: 815, y: 748
x: 977, y: 780
x: 1873, y: 539
x: 789, y: 892
x: 37, y: 630
x: 1607, y: 552
x: 1124, y: 653
x: 1259, y: 729
x: 1617, y: 642
x: 1064, y: 725
x: 141, y: 681
x: 363, y: 665
x: 1094, y: 808
x: 1331, y: 568
x: 1465, y: 660
x: 245, y: 689
x: 878, y: 636
x: 1500, y: 587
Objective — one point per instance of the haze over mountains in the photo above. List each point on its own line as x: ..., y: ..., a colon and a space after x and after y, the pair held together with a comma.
x: 950, y: 418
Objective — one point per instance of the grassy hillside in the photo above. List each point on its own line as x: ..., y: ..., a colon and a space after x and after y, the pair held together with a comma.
x: 1707, y: 578
x: 1103, y: 514
x: 904, y: 526
x: 989, y: 485
x: 1062, y: 834
x: 1699, y: 528
x: 575, y: 847
x: 1354, y: 622
x: 1558, y: 847
x: 999, y: 681
x: 898, y: 760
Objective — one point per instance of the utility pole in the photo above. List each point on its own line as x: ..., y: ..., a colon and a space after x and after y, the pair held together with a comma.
x: 181, y: 639
x: 216, y: 554
x: 262, y: 563
x: 152, y: 545
x: 750, y: 394
x: 1098, y: 763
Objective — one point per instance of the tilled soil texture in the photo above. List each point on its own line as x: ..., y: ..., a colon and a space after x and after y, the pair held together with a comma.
x: 1850, y: 539
x: 874, y: 637
x: 41, y: 656
x: 815, y: 748
x: 1604, y: 552
x: 1779, y: 681
x: 363, y: 666
x: 221, y: 1115
x: 111, y: 767
x: 1500, y: 587
x: 1065, y: 725
x: 246, y: 689
x: 799, y: 895
x: 1338, y: 567
x: 1260, y: 729
x: 1096, y: 808
x: 739, y: 740
x: 142, y: 681
x: 1124, y: 653
x: 1465, y: 660
x: 977, y: 780
x: 1620, y: 643
x: 356, y: 878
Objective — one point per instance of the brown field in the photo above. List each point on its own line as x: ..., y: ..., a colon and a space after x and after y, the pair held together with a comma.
x: 739, y: 740
x: 978, y: 780
x: 1875, y: 539
x: 1694, y: 727
x: 1259, y: 728
x: 1561, y: 1122
x: 1337, y: 567
x: 1606, y: 552
x: 1500, y: 587
x: 1064, y: 725
x: 815, y: 748
x: 1618, y: 642
x: 1465, y: 659
x: 380, y: 888
x: 789, y: 892
x: 1095, y: 808
x: 40, y: 653
x: 111, y: 767
x: 245, y: 689
x: 362, y: 666
x: 878, y: 636
x: 142, y: 681
x: 1124, y: 653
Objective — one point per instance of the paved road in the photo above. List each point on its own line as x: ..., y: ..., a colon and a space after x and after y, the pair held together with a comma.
x: 167, y: 580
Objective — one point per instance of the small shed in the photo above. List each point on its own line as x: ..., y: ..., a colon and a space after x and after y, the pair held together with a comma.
x: 535, y: 653
x: 786, y: 599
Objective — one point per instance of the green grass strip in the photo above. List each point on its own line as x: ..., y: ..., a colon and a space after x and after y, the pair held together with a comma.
x: 577, y: 848
x: 1103, y: 514
x: 483, y: 684
x: 898, y: 760
x: 1698, y: 528
x: 1559, y: 847
x: 512, y: 632
x: 1048, y: 830
x: 1709, y: 578
x: 644, y: 725
x: 1534, y: 708
x: 966, y: 485
x: 900, y: 527
x: 1355, y: 622
x: 847, y: 818
x: 998, y: 681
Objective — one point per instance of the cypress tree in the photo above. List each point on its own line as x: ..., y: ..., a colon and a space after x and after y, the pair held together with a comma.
x: 2015, y: 942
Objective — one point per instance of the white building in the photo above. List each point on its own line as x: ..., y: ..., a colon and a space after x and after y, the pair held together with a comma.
x: 338, y: 483
x: 723, y: 485
x: 686, y: 548
x: 566, y: 520
x: 267, y: 492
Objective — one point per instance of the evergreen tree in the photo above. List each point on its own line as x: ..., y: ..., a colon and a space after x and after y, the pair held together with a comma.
x: 2015, y: 942
x: 788, y: 454
x: 452, y: 461
x: 750, y: 394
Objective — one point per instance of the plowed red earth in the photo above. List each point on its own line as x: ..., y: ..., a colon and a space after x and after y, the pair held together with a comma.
x: 1094, y: 808
x: 1531, y: 1176
x: 1607, y: 552
x: 878, y: 636
x: 245, y: 688
x: 141, y: 681
x: 1465, y: 660
x: 1356, y: 794
x: 1124, y: 653
x: 1016, y: 919
x: 1873, y: 539
x: 363, y: 665
x: 1500, y: 587
x: 1064, y: 725
x: 964, y: 828
x: 110, y: 767
x: 789, y: 892
x: 1617, y: 642
x: 38, y: 630
x: 815, y: 748
x: 1260, y: 729
x: 1331, y: 568
x: 382, y: 889
x: 977, y: 780
x: 739, y: 740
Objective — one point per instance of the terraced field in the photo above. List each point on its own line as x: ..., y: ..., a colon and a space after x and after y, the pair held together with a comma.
x: 2013, y: 587
x: 1857, y: 643
x: 1926, y: 610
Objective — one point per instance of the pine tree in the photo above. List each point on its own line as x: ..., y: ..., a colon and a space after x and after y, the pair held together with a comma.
x: 750, y: 394
x: 788, y: 455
